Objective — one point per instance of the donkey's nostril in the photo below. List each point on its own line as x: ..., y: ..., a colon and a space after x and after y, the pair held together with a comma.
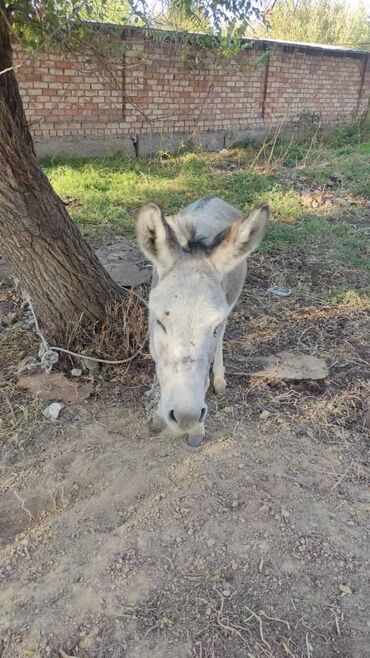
x: 203, y: 414
x: 172, y: 416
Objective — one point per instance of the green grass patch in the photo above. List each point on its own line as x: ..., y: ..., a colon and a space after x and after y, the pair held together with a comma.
x: 351, y: 163
x: 335, y: 242
x: 103, y: 194
x: 107, y: 191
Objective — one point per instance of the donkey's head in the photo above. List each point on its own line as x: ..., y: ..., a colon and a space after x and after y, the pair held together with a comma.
x: 188, y: 307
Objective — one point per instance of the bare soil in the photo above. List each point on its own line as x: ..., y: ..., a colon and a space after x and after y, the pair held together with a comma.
x: 115, y: 543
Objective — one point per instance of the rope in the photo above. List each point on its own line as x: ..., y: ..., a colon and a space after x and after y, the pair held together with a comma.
x: 49, y: 356
x: 94, y: 358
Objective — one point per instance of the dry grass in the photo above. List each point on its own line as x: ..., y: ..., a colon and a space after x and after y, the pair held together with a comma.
x: 124, y: 335
x: 122, y: 338
x: 125, y: 330
x: 324, y: 316
x: 327, y: 314
x: 18, y: 414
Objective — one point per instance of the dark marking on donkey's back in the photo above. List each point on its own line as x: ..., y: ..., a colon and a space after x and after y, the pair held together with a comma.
x: 199, y: 245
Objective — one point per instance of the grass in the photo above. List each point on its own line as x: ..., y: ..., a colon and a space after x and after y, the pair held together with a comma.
x: 351, y: 162
x: 19, y: 415
x: 103, y: 194
x: 315, y: 245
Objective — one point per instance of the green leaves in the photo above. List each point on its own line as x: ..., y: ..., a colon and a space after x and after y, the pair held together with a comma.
x: 41, y: 21
x: 318, y: 21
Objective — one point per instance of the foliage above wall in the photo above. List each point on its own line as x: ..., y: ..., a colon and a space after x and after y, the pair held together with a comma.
x: 317, y: 21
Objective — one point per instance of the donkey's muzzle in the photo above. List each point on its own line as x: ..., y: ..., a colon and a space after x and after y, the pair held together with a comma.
x: 184, y: 420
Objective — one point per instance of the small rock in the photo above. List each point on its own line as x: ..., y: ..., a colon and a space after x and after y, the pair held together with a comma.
x: 210, y: 542
x: 125, y: 273
x: 285, y: 514
x: 76, y: 372
x: 345, y: 590
x: 52, y: 411
x: 226, y: 592
x: 91, y: 365
x: 264, y: 415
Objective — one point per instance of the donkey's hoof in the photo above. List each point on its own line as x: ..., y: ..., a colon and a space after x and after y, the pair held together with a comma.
x: 194, y: 440
x: 220, y: 386
x: 157, y: 425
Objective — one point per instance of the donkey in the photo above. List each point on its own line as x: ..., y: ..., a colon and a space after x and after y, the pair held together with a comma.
x: 199, y: 268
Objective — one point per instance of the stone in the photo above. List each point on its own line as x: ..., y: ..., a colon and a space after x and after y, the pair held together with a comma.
x: 91, y: 365
x: 293, y: 366
x: 127, y: 274
x: 121, y: 262
x: 52, y: 411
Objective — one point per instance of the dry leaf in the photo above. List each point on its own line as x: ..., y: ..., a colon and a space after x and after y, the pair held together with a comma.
x: 293, y: 365
x: 55, y: 386
x: 345, y: 590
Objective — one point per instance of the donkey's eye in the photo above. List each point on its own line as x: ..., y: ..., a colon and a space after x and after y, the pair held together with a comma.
x: 162, y: 326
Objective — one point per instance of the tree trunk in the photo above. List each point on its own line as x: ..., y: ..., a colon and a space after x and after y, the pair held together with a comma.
x: 43, y: 247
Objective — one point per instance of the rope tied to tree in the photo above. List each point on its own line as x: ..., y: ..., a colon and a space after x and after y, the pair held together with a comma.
x: 48, y: 354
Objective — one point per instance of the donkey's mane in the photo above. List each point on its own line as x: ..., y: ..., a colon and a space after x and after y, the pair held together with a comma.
x: 201, y: 226
x: 199, y: 244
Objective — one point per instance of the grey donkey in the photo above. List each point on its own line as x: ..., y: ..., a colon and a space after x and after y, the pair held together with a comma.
x: 199, y: 268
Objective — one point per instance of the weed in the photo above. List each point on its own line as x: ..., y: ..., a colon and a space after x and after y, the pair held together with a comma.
x: 103, y: 194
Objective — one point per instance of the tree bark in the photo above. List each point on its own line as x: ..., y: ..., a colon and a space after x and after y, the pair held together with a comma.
x: 41, y: 244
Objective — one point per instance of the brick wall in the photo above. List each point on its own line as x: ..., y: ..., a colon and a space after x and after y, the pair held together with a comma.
x: 156, y: 96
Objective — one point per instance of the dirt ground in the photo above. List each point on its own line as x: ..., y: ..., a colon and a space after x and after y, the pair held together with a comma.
x: 115, y: 543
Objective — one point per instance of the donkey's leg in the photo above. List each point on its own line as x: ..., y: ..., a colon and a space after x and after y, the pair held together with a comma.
x: 219, y: 382
x: 157, y: 423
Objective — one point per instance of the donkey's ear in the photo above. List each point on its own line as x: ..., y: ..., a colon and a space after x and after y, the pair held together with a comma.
x: 156, y: 238
x: 240, y: 239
